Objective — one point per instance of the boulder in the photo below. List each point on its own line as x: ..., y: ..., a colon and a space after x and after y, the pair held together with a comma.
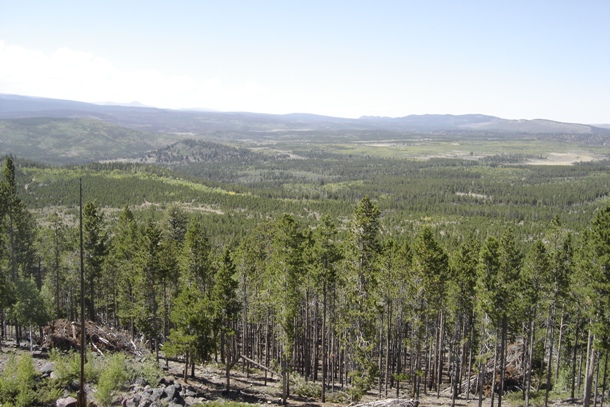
x: 157, y: 394
x: 47, y: 368
x: 66, y: 402
x: 171, y: 391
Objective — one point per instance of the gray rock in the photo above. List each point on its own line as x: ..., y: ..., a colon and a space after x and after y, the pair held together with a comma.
x: 193, y: 400
x: 66, y: 402
x: 157, y: 394
x: 74, y: 386
x: 47, y: 368
x: 171, y: 391
x: 136, y: 388
x: 145, y: 403
x: 141, y: 381
x: 178, y: 400
x: 129, y: 403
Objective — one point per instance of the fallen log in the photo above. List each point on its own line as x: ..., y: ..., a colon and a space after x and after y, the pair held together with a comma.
x: 259, y: 365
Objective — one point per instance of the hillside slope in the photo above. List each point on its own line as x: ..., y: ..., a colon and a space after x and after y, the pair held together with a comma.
x: 65, y: 140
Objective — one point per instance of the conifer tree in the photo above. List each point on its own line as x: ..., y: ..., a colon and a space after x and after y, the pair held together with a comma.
x: 287, y: 265
x: 535, y: 275
x: 192, y: 335
x: 193, y: 310
x: 150, y: 270
x: 322, y: 259
x: 461, y: 294
x: 122, y: 256
x: 593, y: 281
x: 196, y: 258
x: 29, y: 308
x: 511, y: 260
x: 394, y: 273
x: 96, y: 249
x: 54, y: 245
x: 489, y: 300
x: 362, y: 293
x: 226, y: 309
x: 20, y: 226
x: 176, y: 223
x: 431, y: 263
x: 557, y: 292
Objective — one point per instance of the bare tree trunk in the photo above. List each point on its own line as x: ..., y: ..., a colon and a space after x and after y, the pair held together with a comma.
x: 306, y: 350
x: 481, y: 382
x: 380, y: 356
x: 426, y: 371
x: 495, y: 369
x: 232, y: 357
x: 439, y: 370
x: 186, y: 366
x: 605, y: 377
x: 387, y: 354
x: 559, y: 344
x: 550, y: 359
x: 502, y: 359
x: 316, y: 335
x: 574, y: 356
x: 324, y: 353
x: 284, y: 379
x: 469, y: 361
x: 596, y: 387
x: 530, y: 357
x: 589, y: 371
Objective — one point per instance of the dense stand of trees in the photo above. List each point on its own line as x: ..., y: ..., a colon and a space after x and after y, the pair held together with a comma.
x: 339, y: 303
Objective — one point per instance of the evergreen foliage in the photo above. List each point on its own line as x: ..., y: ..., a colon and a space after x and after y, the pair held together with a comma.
x: 405, y: 289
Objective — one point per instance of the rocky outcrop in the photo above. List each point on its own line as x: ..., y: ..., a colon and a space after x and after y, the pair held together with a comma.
x: 168, y: 393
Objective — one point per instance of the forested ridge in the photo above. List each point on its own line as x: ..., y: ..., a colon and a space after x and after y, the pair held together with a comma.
x: 392, y: 276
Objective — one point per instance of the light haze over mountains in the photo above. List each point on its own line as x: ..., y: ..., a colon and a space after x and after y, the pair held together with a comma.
x: 166, y: 120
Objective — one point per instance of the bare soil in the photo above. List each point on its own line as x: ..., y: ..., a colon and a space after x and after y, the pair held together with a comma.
x: 250, y: 386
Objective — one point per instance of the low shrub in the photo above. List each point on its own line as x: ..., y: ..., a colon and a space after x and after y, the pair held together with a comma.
x: 18, y: 382
x: 114, y: 376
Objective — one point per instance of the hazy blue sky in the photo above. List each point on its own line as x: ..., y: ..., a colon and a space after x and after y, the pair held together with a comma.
x: 513, y: 59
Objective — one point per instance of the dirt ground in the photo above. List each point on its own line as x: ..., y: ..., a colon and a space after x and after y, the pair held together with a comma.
x: 209, y: 381
x: 250, y: 388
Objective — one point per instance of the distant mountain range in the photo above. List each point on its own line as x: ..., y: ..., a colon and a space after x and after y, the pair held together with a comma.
x: 198, y: 121
x: 65, y: 131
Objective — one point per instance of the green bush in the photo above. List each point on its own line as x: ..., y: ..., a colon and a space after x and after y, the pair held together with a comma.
x: 564, y: 380
x: 148, y: 370
x: 306, y: 389
x: 18, y: 382
x: 114, y: 376
x: 67, y: 367
x: 21, y: 385
x: 338, y: 397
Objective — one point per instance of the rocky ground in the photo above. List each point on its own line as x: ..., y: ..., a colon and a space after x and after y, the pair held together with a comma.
x: 208, y: 385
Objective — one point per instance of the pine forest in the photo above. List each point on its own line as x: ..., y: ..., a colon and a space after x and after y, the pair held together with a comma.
x: 341, y: 269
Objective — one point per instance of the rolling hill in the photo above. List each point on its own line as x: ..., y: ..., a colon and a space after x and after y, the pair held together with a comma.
x: 164, y: 120
x: 74, y: 140
x: 64, y: 131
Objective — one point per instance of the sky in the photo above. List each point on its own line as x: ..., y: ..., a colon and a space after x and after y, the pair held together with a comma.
x: 512, y: 59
